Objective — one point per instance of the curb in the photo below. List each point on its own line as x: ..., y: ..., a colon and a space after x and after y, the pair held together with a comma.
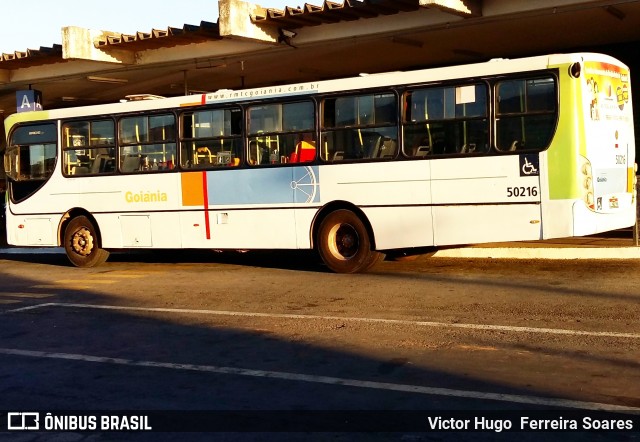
x: 542, y: 253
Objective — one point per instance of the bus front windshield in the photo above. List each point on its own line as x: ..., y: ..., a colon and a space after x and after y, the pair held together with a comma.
x: 31, y: 154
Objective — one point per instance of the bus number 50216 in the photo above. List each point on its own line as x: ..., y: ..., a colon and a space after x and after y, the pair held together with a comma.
x: 514, y: 192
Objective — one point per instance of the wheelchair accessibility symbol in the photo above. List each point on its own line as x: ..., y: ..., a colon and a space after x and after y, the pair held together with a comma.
x: 529, y: 165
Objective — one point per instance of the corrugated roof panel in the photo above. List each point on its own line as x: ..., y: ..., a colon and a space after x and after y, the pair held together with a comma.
x: 157, y: 38
x: 163, y: 37
x: 332, y: 12
x: 31, y: 57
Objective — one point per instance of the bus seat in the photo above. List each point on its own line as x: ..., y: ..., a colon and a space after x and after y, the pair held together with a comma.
x: 338, y: 155
x: 79, y: 170
x: 131, y: 163
x: 468, y: 148
x: 99, y: 163
x: 388, y: 148
x: 422, y: 151
x: 305, y: 152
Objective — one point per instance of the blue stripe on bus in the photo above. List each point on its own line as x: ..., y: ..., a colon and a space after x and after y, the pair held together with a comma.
x: 279, y: 185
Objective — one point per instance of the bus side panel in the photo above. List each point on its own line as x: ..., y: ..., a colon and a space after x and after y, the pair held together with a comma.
x: 240, y: 229
x: 130, y: 211
x: 33, y: 230
x: 395, y: 197
x: 304, y: 222
x: 34, y: 221
x: 401, y: 227
x: 245, y: 208
x: 486, y: 199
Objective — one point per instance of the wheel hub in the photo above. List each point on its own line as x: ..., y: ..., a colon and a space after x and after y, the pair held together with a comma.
x: 347, y: 241
x: 82, y: 242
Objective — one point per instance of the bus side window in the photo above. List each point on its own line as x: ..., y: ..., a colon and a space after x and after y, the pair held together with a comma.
x: 211, y: 138
x: 147, y: 143
x: 446, y: 121
x: 89, y: 147
x: 360, y: 127
x: 281, y: 133
x: 526, y: 113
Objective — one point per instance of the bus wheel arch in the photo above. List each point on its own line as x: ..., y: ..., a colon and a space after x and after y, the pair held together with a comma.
x: 81, y: 239
x: 343, y: 237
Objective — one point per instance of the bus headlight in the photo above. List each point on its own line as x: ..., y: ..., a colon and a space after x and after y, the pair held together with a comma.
x: 587, y: 183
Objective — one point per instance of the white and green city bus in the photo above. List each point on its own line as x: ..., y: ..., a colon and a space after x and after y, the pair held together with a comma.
x: 354, y: 168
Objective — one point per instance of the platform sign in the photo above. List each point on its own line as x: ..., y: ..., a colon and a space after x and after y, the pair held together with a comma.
x: 28, y: 100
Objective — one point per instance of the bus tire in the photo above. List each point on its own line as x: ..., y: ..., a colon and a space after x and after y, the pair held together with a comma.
x: 81, y: 243
x: 344, y: 244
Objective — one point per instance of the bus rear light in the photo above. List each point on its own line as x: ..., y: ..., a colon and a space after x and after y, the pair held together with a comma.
x: 20, y: 226
x: 587, y: 180
x: 589, y: 200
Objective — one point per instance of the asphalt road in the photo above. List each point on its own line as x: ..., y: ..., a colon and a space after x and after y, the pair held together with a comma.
x: 265, y: 331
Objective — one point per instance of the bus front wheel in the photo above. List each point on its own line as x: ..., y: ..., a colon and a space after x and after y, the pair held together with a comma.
x: 344, y: 244
x: 81, y: 243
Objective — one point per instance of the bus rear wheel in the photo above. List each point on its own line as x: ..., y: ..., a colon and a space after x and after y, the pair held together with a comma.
x: 81, y: 243
x: 344, y: 244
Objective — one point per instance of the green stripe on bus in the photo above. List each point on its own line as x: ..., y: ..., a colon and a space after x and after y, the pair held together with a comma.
x: 562, y: 160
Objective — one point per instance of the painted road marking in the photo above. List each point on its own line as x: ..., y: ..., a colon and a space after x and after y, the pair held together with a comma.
x: 28, y: 295
x: 111, y: 275
x: 553, y: 331
x: 14, y: 298
x: 329, y: 380
x: 84, y: 281
x: 58, y: 287
x: 91, y: 280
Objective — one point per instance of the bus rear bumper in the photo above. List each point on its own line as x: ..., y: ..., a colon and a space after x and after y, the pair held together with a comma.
x: 588, y: 222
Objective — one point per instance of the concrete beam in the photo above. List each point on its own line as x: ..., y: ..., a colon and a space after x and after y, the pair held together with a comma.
x: 79, y: 44
x: 463, y: 8
x: 234, y: 21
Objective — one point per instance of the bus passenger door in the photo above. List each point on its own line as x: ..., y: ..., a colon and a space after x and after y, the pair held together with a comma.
x: 486, y: 199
